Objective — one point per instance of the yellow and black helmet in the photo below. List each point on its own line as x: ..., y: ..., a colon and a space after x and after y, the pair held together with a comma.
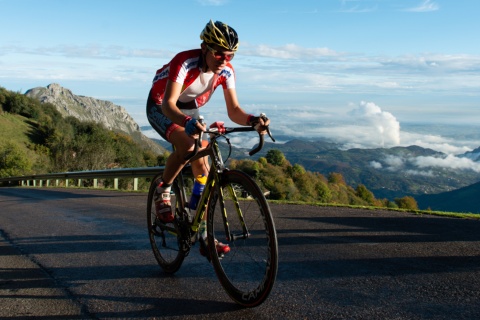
x: 220, y: 34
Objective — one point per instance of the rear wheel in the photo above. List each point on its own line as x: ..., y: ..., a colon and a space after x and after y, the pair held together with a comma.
x: 165, y: 238
x: 249, y: 270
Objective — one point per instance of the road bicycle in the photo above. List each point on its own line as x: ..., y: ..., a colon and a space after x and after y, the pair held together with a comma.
x: 237, y: 214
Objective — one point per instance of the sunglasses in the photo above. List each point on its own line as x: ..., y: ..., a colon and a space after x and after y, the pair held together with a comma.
x: 220, y: 55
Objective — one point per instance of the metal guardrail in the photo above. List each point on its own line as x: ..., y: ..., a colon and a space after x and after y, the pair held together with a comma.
x: 135, y: 173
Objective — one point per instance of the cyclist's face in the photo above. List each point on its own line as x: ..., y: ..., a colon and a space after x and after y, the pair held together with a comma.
x: 216, y: 58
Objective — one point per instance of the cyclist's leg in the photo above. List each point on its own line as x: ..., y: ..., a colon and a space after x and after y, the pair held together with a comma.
x: 172, y: 133
x: 165, y: 239
x: 165, y: 127
x: 183, y: 144
x: 175, y: 134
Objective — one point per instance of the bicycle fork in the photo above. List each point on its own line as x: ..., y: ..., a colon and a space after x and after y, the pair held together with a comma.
x: 230, y: 236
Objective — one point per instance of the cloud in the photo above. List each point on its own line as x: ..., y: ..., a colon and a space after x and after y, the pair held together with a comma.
x: 275, y: 68
x: 346, y: 7
x: 450, y: 162
x: 394, y: 163
x: 425, y: 6
x: 417, y: 165
x: 361, y: 125
x: 386, y: 125
x: 212, y: 2
x: 90, y: 51
x: 437, y: 143
x: 375, y: 165
x: 428, y: 173
x: 366, y: 125
x: 290, y: 51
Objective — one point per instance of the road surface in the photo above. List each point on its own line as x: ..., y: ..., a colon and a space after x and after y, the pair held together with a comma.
x: 84, y: 254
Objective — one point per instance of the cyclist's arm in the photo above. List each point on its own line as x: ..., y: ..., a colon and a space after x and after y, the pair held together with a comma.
x: 235, y: 112
x: 239, y: 116
x: 169, y: 104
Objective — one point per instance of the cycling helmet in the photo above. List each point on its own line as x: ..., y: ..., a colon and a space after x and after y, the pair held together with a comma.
x: 220, y: 34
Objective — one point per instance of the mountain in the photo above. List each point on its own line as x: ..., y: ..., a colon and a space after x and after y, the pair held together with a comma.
x: 110, y: 115
x: 464, y: 200
x: 473, y: 155
x: 387, y: 172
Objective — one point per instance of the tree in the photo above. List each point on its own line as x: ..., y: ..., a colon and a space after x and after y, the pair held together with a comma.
x: 263, y: 161
x: 296, y: 170
x: 407, y: 203
x: 324, y: 194
x: 3, y: 97
x: 365, y: 194
x: 336, y: 178
x: 275, y: 157
x: 13, y: 160
x: 250, y: 167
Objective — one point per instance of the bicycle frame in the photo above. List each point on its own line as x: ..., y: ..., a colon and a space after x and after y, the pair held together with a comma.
x: 214, y: 178
x: 212, y: 151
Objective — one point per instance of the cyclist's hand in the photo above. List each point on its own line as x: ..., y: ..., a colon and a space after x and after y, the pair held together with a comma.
x: 193, y: 127
x: 260, y: 123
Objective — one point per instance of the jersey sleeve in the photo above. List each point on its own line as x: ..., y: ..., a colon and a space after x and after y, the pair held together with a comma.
x: 227, y: 77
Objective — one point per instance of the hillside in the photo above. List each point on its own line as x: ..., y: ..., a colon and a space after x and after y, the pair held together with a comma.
x: 387, y: 172
x: 36, y: 138
x: 18, y: 129
x: 465, y: 200
x: 110, y: 115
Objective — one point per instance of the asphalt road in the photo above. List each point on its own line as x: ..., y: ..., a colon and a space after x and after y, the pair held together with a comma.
x: 84, y: 254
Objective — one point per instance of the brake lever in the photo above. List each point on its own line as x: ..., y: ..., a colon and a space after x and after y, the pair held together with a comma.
x: 270, y: 134
x: 264, y: 118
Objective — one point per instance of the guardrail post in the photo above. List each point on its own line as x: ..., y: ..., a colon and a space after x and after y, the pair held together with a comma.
x: 62, y: 178
x: 79, y: 183
x: 40, y: 183
x: 95, y: 183
x: 115, y: 183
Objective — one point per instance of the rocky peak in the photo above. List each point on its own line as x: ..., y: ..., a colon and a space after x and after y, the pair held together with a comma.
x: 110, y: 115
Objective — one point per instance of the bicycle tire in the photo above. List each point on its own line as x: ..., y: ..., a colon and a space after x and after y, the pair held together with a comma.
x: 165, y: 239
x: 248, y: 271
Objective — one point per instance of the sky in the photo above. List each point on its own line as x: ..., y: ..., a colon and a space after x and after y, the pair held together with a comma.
x: 367, y: 73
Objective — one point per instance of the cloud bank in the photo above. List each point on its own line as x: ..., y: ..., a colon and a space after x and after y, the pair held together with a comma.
x: 386, y: 125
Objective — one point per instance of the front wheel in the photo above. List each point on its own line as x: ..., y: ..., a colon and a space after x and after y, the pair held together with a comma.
x: 243, y: 221
x: 165, y: 238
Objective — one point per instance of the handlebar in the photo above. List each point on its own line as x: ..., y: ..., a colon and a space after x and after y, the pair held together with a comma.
x: 226, y: 130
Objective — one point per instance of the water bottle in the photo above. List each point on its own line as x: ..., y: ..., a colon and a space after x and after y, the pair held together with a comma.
x: 198, y: 187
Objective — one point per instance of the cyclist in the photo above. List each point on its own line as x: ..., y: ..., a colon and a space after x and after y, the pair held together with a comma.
x: 179, y: 89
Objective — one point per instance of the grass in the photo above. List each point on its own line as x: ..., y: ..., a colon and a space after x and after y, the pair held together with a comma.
x: 419, y: 212
x: 14, y: 128
x: 18, y: 130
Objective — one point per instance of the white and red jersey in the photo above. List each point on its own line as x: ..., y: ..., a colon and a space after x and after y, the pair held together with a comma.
x: 197, y: 87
